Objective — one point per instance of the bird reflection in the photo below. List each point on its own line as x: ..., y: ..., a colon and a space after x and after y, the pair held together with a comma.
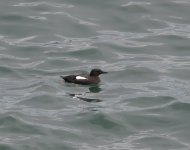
x: 95, y: 89
x: 92, y: 89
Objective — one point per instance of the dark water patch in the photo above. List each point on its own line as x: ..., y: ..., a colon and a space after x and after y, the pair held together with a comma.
x: 112, y: 36
x: 43, y: 3
x: 22, y: 30
x: 182, y: 134
x: 145, y: 72
x: 182, y: 74
x: 10, y: 60
x: 156, y: 122
x: 59, y: 62
x: 173, y: 38
x: 144, y: 102
x: 102, y: 121
x: 137, y: 74
x: 171, y: 109
x: 22, y: 84
x: 42, y: 145
x: 45, y: 101
x: 14, y: 18
x: 156, y: 88
x: 102, y: 125
x: 98, y: 4
x: 124, y: 49
x: 182, y: 49
x: 164, y: 141
x: 173, y: 5
x: 86, y: 53
x: 6, y: 147
x: 55, y: 53
x: 79, y: 26
x: 180, y: 106
x: 39, y: 73
x: 8, y: 72
x: 148, y: 22
x: 99, y: 120
x: 178, y: 43
x: 116, y: 94
x: 95, y: 89
x: 29, y: 52
x: 171, y: 32
x: 38, y: 8
x: 169, y: 113
x: 28, y: 73
x: 44, y: 87
x: 42, y: 45
x: 14, y: 125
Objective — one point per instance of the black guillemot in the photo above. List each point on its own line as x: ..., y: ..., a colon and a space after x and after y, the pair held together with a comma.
x: 92, y: 78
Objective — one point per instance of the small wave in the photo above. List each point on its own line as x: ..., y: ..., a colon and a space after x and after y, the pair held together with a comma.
x: 13, y: 124
x: 14, y: 17
x: 31, y: 64
x: 44, y: 3
x: 149, y: 102
x: 136, y: 7
x: 11, y: 57
x: 182, y: 30
x: 126, y: 39
x: 38, y: 17
x: 135, y: 3
x: 113, y: 37
x: 181, y: 1
x: 6, y: 71
x: 80, y: 21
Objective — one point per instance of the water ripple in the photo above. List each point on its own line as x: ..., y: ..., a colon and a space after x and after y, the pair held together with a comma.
x: 44, y: 3
x: 80, y: 21
x: 182, y: 30
x: 181, y: 2
x: 11, y: 57
x: 135, y: 3
x: 141, y: 140
x: 142, y: 103
x: 121, y: 38
x: 38, y: 17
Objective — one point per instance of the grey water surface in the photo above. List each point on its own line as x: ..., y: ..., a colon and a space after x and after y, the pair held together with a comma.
x: 143, y: 103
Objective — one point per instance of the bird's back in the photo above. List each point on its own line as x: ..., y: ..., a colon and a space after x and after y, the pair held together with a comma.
x: 81, y: 80
x: 70, y: 78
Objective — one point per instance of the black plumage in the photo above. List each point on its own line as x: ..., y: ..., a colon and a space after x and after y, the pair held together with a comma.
x: 92, y: 78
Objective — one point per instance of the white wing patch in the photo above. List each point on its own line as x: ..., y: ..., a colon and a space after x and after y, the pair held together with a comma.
x: 80, y: 78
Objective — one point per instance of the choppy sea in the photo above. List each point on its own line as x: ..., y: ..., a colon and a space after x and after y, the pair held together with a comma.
x: 143, y: 103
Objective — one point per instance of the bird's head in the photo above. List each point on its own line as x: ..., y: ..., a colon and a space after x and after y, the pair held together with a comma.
x: 97, y: 72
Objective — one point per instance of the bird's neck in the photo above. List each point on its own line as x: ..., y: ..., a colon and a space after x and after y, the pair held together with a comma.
x: 92, y: 75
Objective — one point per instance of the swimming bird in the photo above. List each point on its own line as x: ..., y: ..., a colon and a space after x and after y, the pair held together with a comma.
x: 92, y: 78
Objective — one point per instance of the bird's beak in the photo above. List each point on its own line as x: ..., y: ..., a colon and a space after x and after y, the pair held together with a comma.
x: 104, y: 72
